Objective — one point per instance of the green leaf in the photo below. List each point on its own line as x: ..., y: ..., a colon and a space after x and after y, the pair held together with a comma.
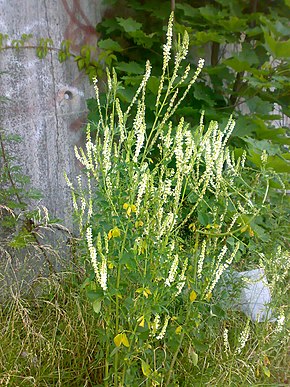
x: 129, y: 24
x: 131, y: 67
x: 279, y: 49
x: 193, y: 356
x: 234, y: 24
x: 97, y: 306
x: 146, y: 369
x: 188, y: 10
x: 266, y: 371
x: 257, y: 105
x: 120, y: 339
x: 211, y: 13
x: 203, y: 37
x: 237, y: 64
x: 109, y: 44
x: 192, y: 296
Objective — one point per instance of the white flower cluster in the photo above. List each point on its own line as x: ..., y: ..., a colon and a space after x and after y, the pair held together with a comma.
x: 280, y: 322
x: 163, y: 330
x: 142, y: 186
x: 181, y: 279
x: 167, y: 224
x: 93, y: 253
x: 139, y: 127
x: 172, y: 272
x: 100, y: 269
x: 226, y: 340
x: 141, y: 87
x: 201, y: 259
x: 221, y: 267
x: 107, y: 150
x: 243, y: 338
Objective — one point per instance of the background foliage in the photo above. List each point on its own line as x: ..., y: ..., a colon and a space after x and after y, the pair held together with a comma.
x: 246, y: 46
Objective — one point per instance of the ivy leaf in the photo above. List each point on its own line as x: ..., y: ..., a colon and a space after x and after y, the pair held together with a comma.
x: 129, y: 25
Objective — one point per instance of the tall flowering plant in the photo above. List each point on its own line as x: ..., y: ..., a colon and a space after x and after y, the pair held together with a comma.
x: 145, y: 277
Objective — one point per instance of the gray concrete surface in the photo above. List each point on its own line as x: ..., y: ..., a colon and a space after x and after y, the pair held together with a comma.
x: 47, y: 110
x: 47, y: 99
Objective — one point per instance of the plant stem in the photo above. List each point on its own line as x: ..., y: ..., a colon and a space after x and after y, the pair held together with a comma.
x: 178, y: 348
x: 116, y: 359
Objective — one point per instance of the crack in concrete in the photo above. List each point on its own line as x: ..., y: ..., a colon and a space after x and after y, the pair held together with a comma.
x: 55, y: 93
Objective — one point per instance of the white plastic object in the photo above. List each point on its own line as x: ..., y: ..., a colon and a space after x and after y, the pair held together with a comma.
x: 255, y: 296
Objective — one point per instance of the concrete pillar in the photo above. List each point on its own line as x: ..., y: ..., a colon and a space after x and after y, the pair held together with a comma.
x: 47, y: 99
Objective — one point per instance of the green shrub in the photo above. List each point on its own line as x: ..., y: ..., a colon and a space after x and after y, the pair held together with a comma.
x: 163, y: 211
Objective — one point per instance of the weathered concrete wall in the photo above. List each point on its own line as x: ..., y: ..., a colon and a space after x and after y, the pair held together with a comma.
x: 47, y: 99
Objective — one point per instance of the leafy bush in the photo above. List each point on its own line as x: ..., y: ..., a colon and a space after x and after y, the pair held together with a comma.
x: 163, y: 211
x: 246, y: 72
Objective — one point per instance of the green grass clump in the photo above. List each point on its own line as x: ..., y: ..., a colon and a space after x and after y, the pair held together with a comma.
x: 49, y: 340
x: 53, y: 340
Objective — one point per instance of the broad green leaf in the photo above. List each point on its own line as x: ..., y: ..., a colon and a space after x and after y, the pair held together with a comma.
x: 130, y: 68
x: 204, y: 93
x: 237, y: 64
x: 97, y: 306
x: 153, y: 84
x: 129, y: 25
x: 146, y: 369
x: 257, y: 105
x: 109, y: 44
x: 203, y: 37
x: 95, y: 295
x: 188, y: 10
x: 234, y: 24
x: 143, y: 39
x: 211, y: 13
x: 279, y: 49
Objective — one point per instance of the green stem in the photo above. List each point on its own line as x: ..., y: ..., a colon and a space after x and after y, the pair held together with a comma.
x: 178, y: 349
x: 116, y: 359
